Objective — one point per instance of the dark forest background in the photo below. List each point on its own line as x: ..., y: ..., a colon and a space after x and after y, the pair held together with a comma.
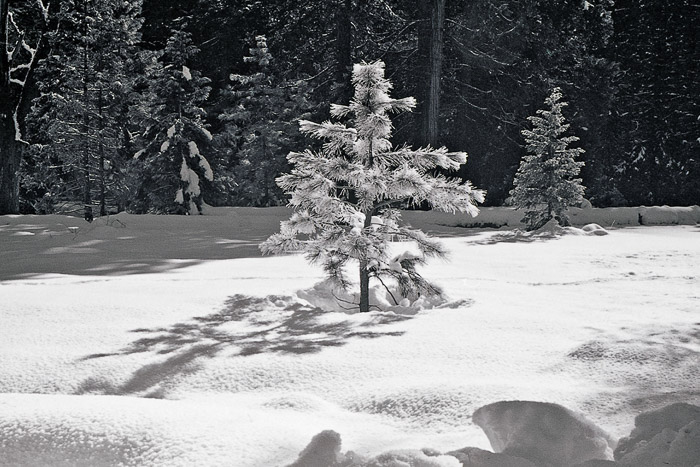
x: 109, y: 94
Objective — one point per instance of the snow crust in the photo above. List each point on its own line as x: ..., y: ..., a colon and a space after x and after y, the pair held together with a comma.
x: 169, y: 340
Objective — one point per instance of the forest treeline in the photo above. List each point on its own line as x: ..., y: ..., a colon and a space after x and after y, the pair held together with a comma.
x: 154, y: 106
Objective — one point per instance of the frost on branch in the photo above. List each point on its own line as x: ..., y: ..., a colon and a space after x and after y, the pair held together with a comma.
x: 347, y: 196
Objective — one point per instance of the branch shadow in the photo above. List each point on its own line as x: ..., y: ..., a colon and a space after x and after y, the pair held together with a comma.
x: 244, y: 327
x: 518, y: 236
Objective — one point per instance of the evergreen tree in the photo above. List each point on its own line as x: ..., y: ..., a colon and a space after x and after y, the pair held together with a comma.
x: 347, y: 195
x: 545, y: 184
x: 170, y: 166
x: 78, y: 121
x: 258, y: 131
x: 656, y: 44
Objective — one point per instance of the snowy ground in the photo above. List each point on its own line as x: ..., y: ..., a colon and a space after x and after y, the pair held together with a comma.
x: 153, y: 340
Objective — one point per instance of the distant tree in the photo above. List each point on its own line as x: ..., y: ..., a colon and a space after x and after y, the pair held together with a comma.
x: 347, y: 195
x: 170, y: 166
x: 259, y: 128
x: 656, y: 45
x: 78, y: 121
x: 545, y: 184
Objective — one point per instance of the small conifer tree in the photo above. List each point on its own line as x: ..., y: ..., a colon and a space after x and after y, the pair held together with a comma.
x: 170, y: 163
x: 546, y: 184
x: 346, y: 196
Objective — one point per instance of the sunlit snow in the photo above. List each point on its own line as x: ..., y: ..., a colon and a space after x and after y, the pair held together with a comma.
x: 169, y: 340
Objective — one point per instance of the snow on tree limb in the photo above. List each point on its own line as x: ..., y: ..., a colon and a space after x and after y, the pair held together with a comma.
x: 346, y: 197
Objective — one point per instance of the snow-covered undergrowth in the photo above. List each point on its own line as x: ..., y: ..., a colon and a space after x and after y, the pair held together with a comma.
x: 147, y: 340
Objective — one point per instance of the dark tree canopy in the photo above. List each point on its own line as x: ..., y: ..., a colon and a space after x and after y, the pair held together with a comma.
x: 478, y: 69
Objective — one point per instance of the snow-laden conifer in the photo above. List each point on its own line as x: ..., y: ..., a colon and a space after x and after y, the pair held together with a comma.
x: 347, y: 196
x: 172, y: 166
x: 545, y: 185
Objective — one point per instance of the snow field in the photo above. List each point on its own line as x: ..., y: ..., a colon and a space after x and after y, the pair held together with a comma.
x: 174, y: 332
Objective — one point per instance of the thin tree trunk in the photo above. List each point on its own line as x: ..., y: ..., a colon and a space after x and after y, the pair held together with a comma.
x: 103, y: 176
x: 343, y: 51
x: 364, y: 272
x: 430, y: 53
x: 437, y: 22
x: 87, y: 188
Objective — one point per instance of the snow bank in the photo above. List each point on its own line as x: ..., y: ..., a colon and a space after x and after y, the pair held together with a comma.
x: 542, y: 432
x: 497, y: 217
x: 667, y: 436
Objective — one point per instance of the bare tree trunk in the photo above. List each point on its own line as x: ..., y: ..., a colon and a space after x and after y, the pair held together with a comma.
x: 343, y: 51
x: 10, y: 149
x: 10, y: 158
x: 430, y: 52
x: 437, y: 22
x: 101, y: 135
x: 87, y: 185
x: 14, y: 103
x: 364, y: 273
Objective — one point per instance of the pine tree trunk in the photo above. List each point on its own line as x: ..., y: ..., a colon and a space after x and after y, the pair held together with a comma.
x: 364, y: 273
x: 343, y: 51
x: 437, y: 22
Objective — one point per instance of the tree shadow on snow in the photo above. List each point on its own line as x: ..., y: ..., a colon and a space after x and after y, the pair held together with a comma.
x: 518, y: 236
x: 656, y: 365
x: 245, y: 326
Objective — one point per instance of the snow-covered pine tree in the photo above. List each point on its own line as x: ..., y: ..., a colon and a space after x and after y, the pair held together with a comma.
x: 171, y: 165
x: 546, y: 184
x: 346, y: 196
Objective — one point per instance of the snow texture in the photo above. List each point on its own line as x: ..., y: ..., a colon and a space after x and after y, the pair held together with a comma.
x: 667, y: 436
x: 170, y: 341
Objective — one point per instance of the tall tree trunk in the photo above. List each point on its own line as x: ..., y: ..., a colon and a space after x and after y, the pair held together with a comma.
x: 430, y: 51
x: 87, y: 185
x: 14, y: 103
x: 10, y: 158
x: 437, y: 22
x: 10, y: 149
x: 343, y: 51
x: 101, y: 135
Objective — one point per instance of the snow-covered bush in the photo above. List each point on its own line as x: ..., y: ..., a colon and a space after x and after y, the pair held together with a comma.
x: 545, y: 185
x: 346, y: 196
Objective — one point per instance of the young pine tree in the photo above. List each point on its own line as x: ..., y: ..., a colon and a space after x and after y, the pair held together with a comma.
x: 546, y: 184
x: 170, y: 163
x: 346, y: 197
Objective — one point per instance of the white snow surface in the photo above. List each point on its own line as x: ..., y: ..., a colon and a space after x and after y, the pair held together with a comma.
x: 169, y: 340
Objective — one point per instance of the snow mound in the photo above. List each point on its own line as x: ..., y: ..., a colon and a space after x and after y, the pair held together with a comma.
x: 544, y: 433
x: 322, y: 451
x: 326, y: 296
x: 594, y: 229
x: 668, y: 448
x: 668, y: 436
